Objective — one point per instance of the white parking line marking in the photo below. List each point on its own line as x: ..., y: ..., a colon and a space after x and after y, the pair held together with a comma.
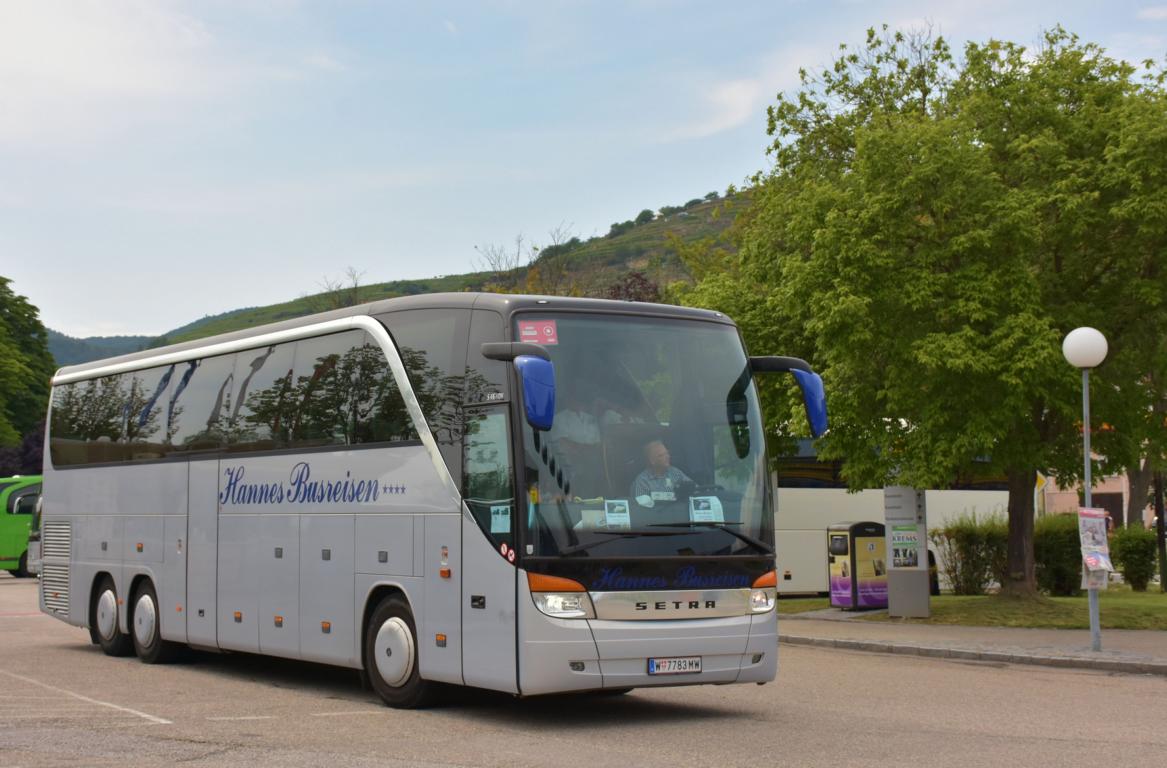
x: 143, y: 715
x: 245, y: 717
x: 345, y: 714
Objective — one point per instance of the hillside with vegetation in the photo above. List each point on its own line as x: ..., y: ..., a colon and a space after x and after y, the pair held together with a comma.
x: 634, y: 260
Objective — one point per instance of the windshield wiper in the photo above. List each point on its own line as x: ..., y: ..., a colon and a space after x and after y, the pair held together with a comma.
x: 758, y: 543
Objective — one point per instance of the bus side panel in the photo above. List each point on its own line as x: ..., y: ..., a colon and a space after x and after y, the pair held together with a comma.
x: 143, y: 540
x: 203, y: 545
x: 385, y: 544
x: 488, y: 613
x: 442, y: 614
x: 279, y: 585
x: 549, y: 646
x: 763, y: 642
x: 172, y: 589
x: 327, y: 567
x: 238, y: 577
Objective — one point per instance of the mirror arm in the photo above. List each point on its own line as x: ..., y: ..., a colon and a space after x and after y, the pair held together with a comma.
x: 509, y: 350
x: 777, y: 364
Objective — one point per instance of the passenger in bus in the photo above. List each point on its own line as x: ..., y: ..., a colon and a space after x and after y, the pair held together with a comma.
x: 575, y: 438
x: 660, y: 479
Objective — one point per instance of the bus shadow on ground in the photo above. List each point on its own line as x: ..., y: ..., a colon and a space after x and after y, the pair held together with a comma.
x: 341, y: 684
x: 597, y: 709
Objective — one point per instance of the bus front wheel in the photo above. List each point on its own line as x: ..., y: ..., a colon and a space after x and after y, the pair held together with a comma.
x: 147, y: 631
x: 391, y: 656
x: 103, y: 620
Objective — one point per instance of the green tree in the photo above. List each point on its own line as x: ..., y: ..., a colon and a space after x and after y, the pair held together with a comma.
x: 26, y: 366
x: 931, y: 230
x: 645, y: 216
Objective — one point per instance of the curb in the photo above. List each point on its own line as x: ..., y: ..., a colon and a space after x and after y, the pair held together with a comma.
x: 965, y: 654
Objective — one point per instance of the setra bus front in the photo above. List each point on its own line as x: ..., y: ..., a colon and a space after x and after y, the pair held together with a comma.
x: 646, y: 545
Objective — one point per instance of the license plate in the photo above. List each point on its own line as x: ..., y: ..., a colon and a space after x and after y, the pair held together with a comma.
x: 676, y: 665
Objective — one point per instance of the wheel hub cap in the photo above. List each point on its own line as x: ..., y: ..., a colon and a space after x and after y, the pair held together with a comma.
x: 145, y: 619
x: 394, y: 652
x: 107, y: 614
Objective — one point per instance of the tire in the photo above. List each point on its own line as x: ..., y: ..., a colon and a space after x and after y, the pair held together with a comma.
x: 21, y: 571
x: 146, y: 627
x: 103, y: 620
x: 391, y: 657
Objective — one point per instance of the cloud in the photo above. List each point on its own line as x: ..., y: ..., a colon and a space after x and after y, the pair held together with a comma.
x: 324, y: 62
x: 729, y: 103
x: 73, y: 70
x: 1153, y: 13
x: 451, y: 28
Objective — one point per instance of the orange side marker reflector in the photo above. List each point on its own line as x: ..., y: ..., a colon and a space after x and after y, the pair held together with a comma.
x: 178, y: 608
x: 769, y: 579
x: 279, y: 621
x: 539, y: 582
x: 139, y: 546
x: 326, y: 627
x: 444, y: 573
x: 239, y: 616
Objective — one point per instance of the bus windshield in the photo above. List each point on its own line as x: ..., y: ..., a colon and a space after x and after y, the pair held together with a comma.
x: 657, y: 446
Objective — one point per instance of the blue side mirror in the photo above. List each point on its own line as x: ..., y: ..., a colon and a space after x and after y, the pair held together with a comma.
x: 538, y: 377
x: 814, y: 397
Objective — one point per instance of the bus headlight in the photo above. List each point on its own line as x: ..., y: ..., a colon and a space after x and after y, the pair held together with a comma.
x: 559, y: 597
x: 565, y: 605
x: 762, y: 600
x: 764, y: 592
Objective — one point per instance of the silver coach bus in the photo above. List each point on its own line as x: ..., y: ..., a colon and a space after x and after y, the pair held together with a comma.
x: 529, y: 495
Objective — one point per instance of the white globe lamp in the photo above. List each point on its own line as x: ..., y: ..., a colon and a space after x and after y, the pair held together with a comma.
x: 1085, y: 347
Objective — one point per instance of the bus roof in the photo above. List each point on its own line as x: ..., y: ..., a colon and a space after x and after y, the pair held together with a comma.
x: 505, y: 304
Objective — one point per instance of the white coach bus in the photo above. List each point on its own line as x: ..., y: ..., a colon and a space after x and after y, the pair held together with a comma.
x: 393, y: 488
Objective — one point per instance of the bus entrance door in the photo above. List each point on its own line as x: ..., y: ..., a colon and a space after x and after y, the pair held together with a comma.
x: 488, y: 613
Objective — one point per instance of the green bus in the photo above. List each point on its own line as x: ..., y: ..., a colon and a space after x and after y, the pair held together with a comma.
x: 18, y: 499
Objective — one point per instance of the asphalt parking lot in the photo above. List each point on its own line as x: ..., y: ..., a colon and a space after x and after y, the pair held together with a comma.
x: 66, y: 704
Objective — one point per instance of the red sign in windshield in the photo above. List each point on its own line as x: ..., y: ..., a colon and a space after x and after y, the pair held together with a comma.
x: 538, y: 331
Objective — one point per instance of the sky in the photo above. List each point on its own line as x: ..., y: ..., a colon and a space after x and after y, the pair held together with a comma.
x: 163, y: 161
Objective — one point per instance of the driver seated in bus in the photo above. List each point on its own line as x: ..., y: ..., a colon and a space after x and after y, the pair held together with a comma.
x: 660, y: 479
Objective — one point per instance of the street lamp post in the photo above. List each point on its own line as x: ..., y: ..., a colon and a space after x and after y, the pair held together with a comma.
x: 1085, y: 348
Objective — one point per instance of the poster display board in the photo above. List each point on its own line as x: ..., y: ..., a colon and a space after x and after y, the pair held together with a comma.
x: 1096, y: 564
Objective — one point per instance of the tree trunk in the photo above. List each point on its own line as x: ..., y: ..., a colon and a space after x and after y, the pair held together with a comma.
x: 1020, y: 578
x: 1140, y: 482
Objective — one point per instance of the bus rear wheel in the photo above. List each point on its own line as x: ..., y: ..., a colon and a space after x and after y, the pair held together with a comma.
x: 103, y: 620
x: 391, y: 657
x: 145, y: 623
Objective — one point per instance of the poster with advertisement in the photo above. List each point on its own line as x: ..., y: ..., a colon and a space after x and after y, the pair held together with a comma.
x: 905, y: 546
x: 1096, y: 564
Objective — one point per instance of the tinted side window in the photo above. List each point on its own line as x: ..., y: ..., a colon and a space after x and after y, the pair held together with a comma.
x: 264, y: 409
x: 144, y: 430
x: 321, y: 393
x: 345, y: 394
x: 486, y: 380
x: 488, y: 486
x: 432, y: 345
x: 382, y: 413
x: 199, y: 407
x: 23, y: 502
x: 87, y: 421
